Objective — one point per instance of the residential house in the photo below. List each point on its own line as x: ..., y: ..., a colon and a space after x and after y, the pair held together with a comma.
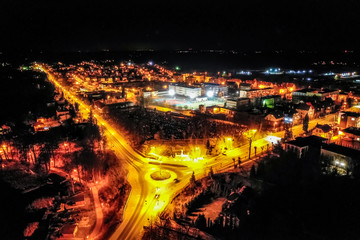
x: 350, y: 137
x: 44, y: 124
x: 301, y: 145
x: 305, y: 108
x: 229, y: 114
x: 324, y: 131
x: 324, y: 107
x: 308, y: 94
x: 274, y: 120
x: 340, y: 160
x: 349, y: 119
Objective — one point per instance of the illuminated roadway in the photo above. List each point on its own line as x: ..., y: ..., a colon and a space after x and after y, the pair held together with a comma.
x: 148, y: 197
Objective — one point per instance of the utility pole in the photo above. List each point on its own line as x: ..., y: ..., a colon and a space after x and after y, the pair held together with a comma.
x: 250, y: 141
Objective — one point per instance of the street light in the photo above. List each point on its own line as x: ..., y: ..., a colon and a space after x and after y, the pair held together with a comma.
x: 250, y: 135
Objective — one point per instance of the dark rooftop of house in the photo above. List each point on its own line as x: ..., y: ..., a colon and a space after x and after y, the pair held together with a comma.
x: 327, y: 90
x: 180, y: 84
x: 352, y: 114
x: 352, y: 130
x: 306, y: 90
x: 211, y: 84
x: 307, y: 141
x: 350, y: 152
x: 325, y: 127
x: 303, y: 106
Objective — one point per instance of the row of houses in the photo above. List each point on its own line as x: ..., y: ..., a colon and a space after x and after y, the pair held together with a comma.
x: 274, y: 119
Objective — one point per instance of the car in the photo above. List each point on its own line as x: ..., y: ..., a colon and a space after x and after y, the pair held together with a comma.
x: 176, y: 180
x: 157, y: 196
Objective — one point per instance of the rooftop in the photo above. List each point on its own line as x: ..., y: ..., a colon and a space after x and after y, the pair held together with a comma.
x: 307, y: 141
x: 325, y: 127
x: 352, y: 114
x: 349, y: 152
x: 184, y: 85
x: 352, y: 130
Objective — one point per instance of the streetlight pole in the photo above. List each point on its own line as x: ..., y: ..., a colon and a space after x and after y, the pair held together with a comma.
x: 250, y: 135
x: 250, y: 141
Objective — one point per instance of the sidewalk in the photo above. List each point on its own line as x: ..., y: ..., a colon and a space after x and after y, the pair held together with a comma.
x: 99, y: 213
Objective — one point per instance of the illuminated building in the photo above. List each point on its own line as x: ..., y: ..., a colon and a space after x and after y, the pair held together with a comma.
x: 270, y: 101
x: 301, y: 145
x: 44, y: 124
x: 309, y: 94
x: 274, y: 120
x: 340, y: 160
x: 324, y: 131
x: 232, y: 103
x: 305, y: 108
x: 239, y: 103
x: 185, y: 90
x: 254, y: 93
x: 349, y: 119
x: 218, y: 90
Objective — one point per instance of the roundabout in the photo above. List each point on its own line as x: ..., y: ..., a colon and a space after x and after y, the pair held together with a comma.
x: 160, y: 175
x: 163, y: 176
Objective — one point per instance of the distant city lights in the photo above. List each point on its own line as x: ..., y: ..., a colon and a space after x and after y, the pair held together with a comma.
x: 244, y: 73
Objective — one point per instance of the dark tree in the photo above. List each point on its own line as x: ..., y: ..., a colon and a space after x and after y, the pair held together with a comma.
x: 211, y: 172
x: 192, y: 180
x: 200, y: 222
x: 253, y: 171
x: 306, y: 123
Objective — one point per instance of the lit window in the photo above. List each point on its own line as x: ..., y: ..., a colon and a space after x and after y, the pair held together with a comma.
x: 353, y: 119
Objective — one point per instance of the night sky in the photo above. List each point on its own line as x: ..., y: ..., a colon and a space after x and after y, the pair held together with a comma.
x: 171, y: 25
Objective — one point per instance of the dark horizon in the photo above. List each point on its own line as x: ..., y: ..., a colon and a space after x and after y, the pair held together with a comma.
x: 247, y: 26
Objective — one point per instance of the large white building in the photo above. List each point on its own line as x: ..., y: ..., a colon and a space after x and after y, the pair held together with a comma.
x: 187, y: 91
